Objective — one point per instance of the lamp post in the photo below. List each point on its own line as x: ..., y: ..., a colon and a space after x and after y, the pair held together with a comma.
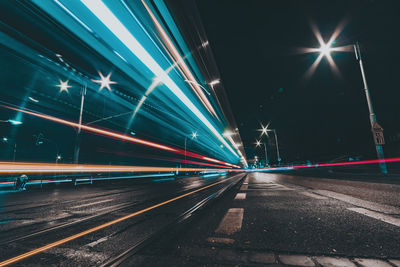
x: 192, y: 136
x: 78, y: 133
x: 265, y: 131
x: 325, y: 51
x: 372, y: 116
x: 6, y: 140
x: 258, y: 144
x: 13, y: 122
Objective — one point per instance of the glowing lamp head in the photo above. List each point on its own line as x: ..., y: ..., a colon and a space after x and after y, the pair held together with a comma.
x: 64, y: 86
x: 15, y: 122
x: 194, y: 135
x: 258, y: 143
x: 325, y: 50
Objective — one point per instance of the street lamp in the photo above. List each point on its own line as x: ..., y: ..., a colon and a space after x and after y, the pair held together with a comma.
x: 325, y: 50
x: 258, y: 144
x: 265, y: 130
x: 192, y: 136
x: 6, y: 140
x: 201, y: 86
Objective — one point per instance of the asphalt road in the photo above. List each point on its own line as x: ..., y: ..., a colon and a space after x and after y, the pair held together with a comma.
x: 32, y: 220
x: 262, y: 220
x: 285, y: 220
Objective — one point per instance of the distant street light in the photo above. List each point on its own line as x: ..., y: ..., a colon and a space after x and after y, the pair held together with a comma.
x: 201, y: 86
x: 214, y: 82
x: 104, y: 81
x: 325, y: 50
x: 6, y: 140
x: 265, y: 130
x: 15, y: 122
x: 33, y: 99
x: 64, y: 86
x: 258, y: 144
x: 192, y: 136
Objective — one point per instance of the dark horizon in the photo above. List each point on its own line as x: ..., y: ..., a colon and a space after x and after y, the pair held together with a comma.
x: 322, y: 117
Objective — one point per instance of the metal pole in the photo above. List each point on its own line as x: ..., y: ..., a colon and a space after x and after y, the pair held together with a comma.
x: 185, y: 153
x: 77, y: 144
x: 266, y: 154
x: 372, y: 116
x: 277, y: 148
x: 15, y: 150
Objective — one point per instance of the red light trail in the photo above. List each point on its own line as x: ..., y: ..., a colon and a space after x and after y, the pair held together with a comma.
x: 118, y: 136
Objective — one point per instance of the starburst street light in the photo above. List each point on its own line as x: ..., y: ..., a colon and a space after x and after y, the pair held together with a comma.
x: 194, y: 135
x: 265, y: 130
x: 104, y: 81
x: 324, y: 51
x: 258, y: 143
x: 64, y: 86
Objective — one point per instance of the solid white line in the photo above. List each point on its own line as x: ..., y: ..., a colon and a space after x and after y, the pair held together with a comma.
x: 377, y: 215
x: 232, y: 222
x: 360, y: 202
x: 92, y: 203
x: 240, y: 196
x: 308, y: 194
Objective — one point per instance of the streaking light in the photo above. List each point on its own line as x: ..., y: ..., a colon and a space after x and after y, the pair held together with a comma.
x: 119, y: 136
x: 183, y: 68
x: 32, y: 167
x: 101, y: 11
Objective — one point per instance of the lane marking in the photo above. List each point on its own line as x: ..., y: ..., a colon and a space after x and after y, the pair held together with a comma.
x: 93, y: 203
x: 309, y: 194
x: 376, y: 215
x: 240, y: 196
x: 222, y: 240
x: 360, y: 202
x: 102, y: 226
x: 244, y: 187
x: 232, y: 222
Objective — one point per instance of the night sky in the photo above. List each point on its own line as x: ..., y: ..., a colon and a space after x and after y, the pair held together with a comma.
x: 325, y: 116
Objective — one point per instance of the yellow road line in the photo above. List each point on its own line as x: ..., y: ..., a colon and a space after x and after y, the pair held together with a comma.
x: 94, y: 229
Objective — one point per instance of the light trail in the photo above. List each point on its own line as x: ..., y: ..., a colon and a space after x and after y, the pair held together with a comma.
x: 183, y: 68
x: 336, y: 164
x: 34, y: 167
x: 118, y: 136
x: 107, y: 17
x: 102, y: 226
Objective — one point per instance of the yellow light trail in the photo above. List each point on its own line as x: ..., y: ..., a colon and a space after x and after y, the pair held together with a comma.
x: 33, y: 167
x: 102, y: 226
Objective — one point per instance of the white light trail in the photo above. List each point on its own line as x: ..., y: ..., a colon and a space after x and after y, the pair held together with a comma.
x: 107, y: 17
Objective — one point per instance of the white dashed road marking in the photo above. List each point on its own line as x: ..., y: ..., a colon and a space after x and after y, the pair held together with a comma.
x: 232, y: 222
x: 240, y: 196
x: 222, y: 240
x: 376, y: 215
x: 308, y: 194
x: 244, y: 187
x: 92, y: 203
